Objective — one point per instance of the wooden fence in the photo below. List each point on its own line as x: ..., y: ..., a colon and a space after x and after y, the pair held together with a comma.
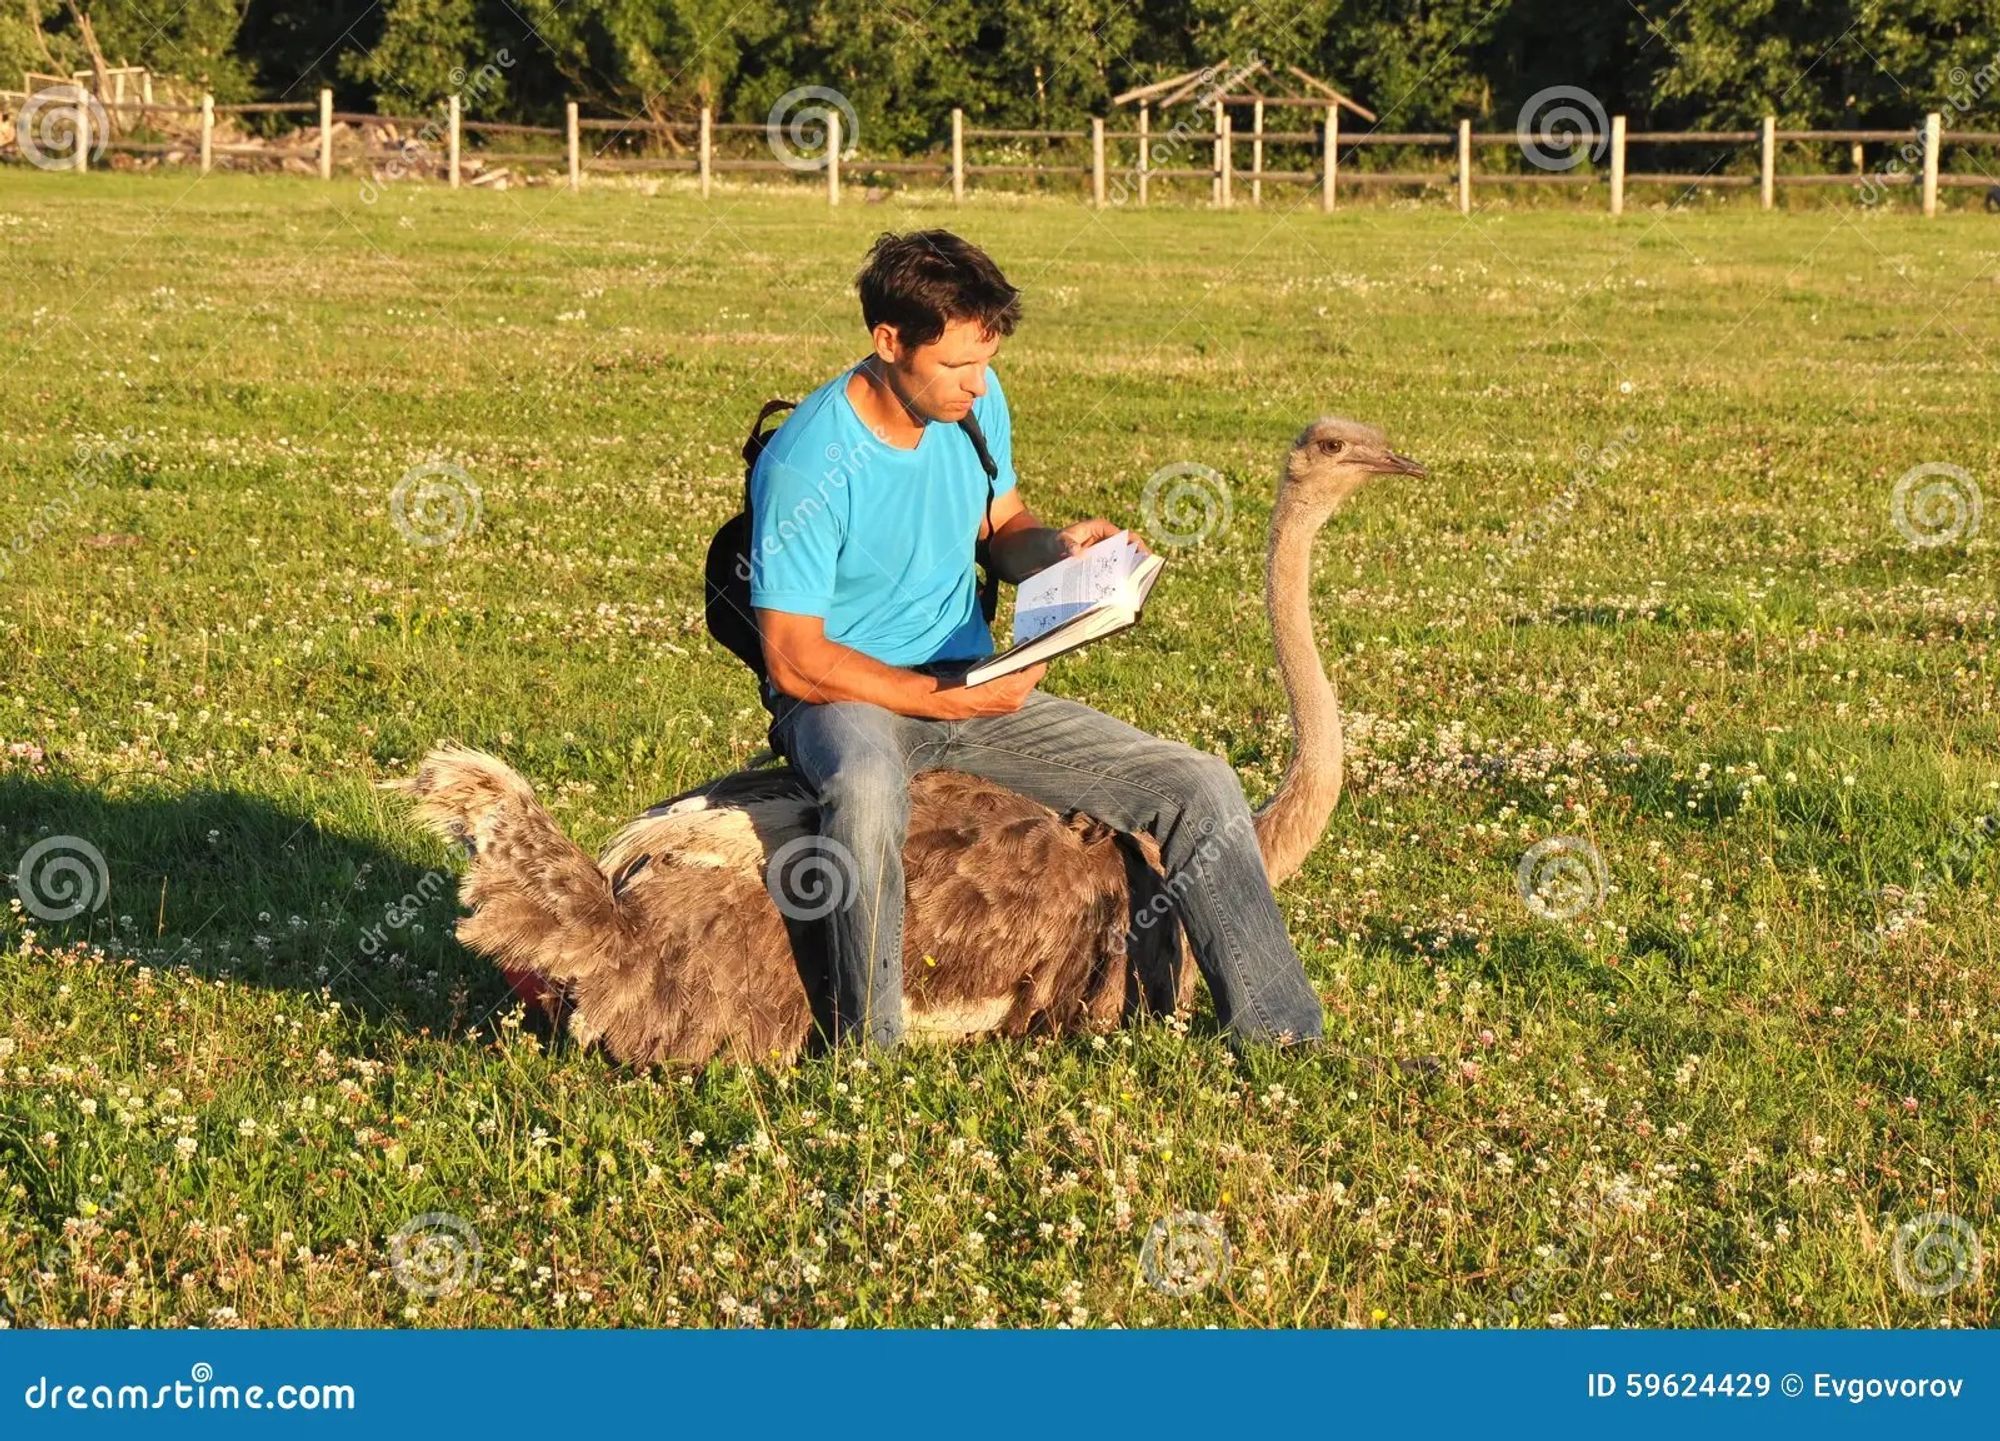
x: 1125, y: 161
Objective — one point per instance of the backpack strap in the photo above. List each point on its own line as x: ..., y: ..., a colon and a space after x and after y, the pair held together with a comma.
x: 759, y: 437
x: 989, y: 580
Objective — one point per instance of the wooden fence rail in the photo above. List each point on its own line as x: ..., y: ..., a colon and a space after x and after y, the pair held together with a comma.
x: 1117, y: 165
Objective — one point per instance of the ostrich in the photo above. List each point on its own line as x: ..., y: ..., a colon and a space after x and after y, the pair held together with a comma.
x: 693, y: 936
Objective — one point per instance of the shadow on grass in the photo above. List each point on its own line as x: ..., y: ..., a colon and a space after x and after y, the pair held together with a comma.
x: 238, y: 887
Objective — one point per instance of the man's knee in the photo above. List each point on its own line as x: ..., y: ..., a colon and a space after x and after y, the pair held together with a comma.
x: 1203, y: 781
x: 1205, y: 787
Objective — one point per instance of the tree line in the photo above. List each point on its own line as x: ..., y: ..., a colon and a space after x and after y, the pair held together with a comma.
x: 903, y: 64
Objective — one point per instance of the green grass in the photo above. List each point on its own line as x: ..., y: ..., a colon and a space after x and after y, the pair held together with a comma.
x: 1710, y: 1100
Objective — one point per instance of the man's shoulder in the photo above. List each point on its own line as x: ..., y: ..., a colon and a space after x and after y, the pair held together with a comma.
x: 821, y: 418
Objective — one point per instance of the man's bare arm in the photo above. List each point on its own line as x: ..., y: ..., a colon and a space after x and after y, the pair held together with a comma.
x: 804, y: 664
x: 1022, y: 545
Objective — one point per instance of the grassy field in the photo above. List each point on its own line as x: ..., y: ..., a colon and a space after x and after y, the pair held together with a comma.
x: 1653, y: 603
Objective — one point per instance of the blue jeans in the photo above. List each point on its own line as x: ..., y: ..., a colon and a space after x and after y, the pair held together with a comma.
x: 859, y: 759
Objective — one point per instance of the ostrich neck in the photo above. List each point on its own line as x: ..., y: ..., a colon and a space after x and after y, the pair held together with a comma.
x: 1290, y: 823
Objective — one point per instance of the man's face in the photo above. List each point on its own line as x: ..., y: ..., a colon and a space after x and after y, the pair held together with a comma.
x: 939, y: 381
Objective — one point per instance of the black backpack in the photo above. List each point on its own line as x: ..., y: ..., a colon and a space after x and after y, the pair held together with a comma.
x: 726, y: 573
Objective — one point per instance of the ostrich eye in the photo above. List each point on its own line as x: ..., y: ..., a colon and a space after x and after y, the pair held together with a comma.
x: 1332, y: 447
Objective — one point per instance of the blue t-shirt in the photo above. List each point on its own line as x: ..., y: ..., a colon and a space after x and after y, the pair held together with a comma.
x: 874, y: 539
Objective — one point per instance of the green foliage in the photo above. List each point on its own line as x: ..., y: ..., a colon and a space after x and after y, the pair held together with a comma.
x: 428, y: 50
x: 1718, y: 64
x: 195, y: 42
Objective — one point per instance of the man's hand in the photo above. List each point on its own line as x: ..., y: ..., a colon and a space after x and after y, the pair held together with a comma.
x: 1085, y: 533
x: 1002, y: 695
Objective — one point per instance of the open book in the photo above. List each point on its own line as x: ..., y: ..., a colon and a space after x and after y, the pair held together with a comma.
x: 1093, y: 594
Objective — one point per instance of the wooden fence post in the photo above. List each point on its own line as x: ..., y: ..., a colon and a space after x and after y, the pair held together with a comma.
x: 833, y: 157
x: 1330, y: 163
x: 1097, y: 161
x: 1215, y: 160
x: 957, y: 156
x: 1145, y: 149
x: 706, y: 162
x: 1227, y: 144
x: 1257, y: 152
x: 325, y: 133
x: 81, y: 162
x: 573, y: 141
x: 451, y: 140
x: 1618, y: 165
x: 207, y: 133
x: 1465, y: 167
x: 1767, y: 162
x: 1933, y: 137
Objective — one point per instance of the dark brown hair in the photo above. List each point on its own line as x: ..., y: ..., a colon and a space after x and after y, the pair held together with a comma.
x: 920, y: 281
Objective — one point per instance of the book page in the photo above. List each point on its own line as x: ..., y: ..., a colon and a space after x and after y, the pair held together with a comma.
x: 1071, y: 586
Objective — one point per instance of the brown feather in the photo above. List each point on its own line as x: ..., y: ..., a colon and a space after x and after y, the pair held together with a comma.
x: 1023, y: 922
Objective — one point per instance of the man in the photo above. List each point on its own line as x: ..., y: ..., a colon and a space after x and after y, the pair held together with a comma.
x: 866, y: 506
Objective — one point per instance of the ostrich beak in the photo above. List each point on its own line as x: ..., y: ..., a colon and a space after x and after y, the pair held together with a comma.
x: 1394, y: 464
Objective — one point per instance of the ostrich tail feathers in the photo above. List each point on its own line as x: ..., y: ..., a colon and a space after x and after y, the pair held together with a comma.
x: 539, y: 903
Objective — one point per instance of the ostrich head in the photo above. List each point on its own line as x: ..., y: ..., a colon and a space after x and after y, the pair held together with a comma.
x: 1332, y: 458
